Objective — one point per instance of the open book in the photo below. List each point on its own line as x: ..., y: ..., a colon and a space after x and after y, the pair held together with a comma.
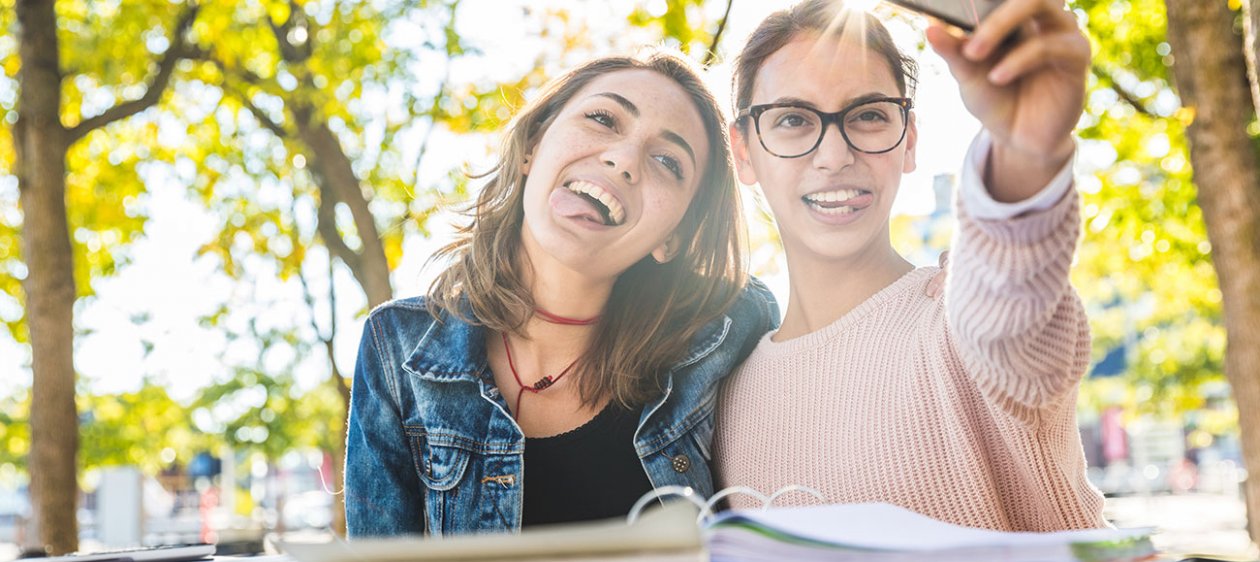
x: 679, y: 530
x: 878, y: 532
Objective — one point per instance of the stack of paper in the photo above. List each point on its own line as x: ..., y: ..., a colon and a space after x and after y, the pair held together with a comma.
x: 876, y: 532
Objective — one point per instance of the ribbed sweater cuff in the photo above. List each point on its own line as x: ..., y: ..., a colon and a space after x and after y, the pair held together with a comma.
x: 1033, y: 220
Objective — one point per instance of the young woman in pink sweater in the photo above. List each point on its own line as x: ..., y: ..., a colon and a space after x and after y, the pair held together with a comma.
x: 961, y: 408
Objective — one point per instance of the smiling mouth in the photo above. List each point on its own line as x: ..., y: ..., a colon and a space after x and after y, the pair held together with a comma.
x: 838, y: 202
x: 610, y: 210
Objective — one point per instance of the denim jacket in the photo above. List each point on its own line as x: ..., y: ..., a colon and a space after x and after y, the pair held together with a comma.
x: 431, y: 447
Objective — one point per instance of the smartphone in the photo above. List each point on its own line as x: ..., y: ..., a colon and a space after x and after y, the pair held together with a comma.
x: 964, y: 14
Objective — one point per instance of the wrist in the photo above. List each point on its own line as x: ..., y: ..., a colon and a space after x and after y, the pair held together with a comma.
x: 1013, y: 174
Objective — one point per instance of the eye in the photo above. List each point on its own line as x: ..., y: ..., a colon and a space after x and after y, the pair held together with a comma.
x: 791, y: 120
x: 870, y: 116
x: 602, y: 117
x: 672, y: 164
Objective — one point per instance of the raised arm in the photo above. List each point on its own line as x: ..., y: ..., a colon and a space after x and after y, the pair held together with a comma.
x: 1017, y: 322
x: 1019, y: 325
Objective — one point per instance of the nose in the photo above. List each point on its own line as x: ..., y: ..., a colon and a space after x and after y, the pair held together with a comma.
x: 623, y: 160
x: 833, y: 153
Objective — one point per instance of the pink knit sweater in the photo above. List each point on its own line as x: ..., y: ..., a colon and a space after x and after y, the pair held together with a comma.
x: 961, y: 408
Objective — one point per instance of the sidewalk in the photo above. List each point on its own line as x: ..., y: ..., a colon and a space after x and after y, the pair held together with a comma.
x: 1190, y: 524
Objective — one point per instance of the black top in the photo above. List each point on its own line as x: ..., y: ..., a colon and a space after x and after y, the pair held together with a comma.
x: 589, y: 473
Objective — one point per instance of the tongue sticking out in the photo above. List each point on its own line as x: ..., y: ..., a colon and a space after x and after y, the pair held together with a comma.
x: 571, y: 205
x: 860, y: 201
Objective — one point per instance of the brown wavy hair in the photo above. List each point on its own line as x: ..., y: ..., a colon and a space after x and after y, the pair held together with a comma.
x: 654, y: 309
x: 823, y: 17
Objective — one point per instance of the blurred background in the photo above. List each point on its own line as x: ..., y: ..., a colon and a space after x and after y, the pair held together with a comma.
x: 199, y: 203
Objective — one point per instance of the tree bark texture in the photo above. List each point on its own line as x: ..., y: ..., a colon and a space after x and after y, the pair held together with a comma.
x: 41, y: 144
x: 1210, y: 73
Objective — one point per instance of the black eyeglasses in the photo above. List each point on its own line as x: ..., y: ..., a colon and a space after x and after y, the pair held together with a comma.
x: 790, y: 130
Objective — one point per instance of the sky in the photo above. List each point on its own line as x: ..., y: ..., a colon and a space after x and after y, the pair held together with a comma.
x: 160, y: 296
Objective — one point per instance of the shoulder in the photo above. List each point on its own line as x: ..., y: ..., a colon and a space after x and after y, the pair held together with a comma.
x: 410, y: 308
x: 399, y: 317
x: 756, y: 305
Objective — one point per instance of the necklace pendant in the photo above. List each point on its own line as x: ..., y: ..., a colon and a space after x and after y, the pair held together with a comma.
x: 543, y: 383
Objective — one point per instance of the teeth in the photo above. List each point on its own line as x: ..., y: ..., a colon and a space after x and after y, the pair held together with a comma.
x: 833, y: 196
x: 615, y: 211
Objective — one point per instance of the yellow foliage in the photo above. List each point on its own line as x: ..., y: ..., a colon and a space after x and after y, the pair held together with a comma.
x: 11, y: 65
x: 1185, y: 115
x: 278, y: 11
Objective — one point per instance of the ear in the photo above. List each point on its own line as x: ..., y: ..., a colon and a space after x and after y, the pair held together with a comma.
x: 667, y: 251
x: 529, y: 157
x: 912, y: 142
x: 743, y: 160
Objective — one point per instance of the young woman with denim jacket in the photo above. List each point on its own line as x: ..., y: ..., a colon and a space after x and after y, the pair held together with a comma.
x: 567, y: 361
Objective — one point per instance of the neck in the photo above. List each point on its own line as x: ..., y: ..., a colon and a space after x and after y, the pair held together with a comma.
x: 824, y: 289
x: 564, y: 292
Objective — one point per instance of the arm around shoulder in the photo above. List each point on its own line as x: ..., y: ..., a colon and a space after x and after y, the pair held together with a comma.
x: 755, y: 313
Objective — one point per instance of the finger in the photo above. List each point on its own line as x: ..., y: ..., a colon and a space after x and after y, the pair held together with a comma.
x: 1065, y: 50
x: 1009, y: 18
x: 935, y: 285
x: 950, y: 47
x: 943, y: 259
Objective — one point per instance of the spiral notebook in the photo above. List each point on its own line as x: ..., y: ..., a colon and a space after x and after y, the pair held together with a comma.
x: 690, y: 530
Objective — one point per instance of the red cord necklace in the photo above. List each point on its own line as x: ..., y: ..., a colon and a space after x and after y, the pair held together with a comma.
x: 564, y: 320
x: 539, y: 385
x: 545, y: 382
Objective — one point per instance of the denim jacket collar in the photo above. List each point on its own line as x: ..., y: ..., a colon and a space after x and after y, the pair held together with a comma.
x: 451, y: 350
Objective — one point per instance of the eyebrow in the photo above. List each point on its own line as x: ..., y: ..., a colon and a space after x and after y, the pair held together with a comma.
x: 669, y: 135
x: 859, y: 99
x: 627, y: 104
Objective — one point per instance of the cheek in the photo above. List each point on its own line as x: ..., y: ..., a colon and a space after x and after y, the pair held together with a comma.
x: 665, y: 208
x: 778, y: 177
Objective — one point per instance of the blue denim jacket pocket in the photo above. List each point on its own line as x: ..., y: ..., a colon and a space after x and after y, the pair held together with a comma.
x: 441, y: 468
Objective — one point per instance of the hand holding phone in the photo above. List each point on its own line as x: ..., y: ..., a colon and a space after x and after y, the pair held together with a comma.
x: 964, y: 14
x: 1027, y: 91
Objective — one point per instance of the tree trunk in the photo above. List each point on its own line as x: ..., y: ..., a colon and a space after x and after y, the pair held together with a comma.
x: 1211, y: 76
x: 41, y: 144
x: 334, y: 175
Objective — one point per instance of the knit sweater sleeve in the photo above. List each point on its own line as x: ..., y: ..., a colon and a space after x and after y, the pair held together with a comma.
x: 1016, y: 322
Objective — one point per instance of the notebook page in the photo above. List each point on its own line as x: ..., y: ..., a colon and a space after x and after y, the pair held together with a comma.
x: 888, y: 527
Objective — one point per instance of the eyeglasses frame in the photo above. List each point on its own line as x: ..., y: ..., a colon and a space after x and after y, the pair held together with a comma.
x: 836, y: 117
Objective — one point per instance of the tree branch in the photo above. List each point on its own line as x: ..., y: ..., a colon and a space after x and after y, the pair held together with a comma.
x: 1125, y: 95
x: 166, y: 67
x: 275, y: 128
x: 710, y: 56
x: 248, y: 77
x: 326, y: 225
x: 290, y: 52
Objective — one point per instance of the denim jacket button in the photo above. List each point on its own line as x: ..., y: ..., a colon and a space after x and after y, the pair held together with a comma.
x: 681, y: 463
